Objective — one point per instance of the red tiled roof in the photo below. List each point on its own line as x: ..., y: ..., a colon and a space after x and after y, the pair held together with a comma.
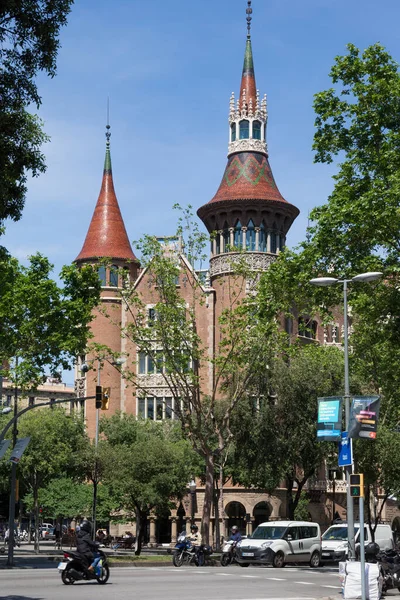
x: 106, y: 236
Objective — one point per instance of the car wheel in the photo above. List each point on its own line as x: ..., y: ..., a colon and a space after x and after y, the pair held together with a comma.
x: 279, y: 560
x: 315, y: 560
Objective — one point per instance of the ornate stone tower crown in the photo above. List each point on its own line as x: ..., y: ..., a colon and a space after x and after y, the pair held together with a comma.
x: 248, y: 212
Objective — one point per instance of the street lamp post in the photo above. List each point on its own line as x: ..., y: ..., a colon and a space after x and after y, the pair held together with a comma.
x: 324, y: 282
x: 11, y: 511
x: 192, y: 487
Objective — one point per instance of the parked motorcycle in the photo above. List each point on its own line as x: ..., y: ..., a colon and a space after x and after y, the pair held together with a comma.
x: 74, y: 568
x: 185, y: 552
x: 389, y: 561
x: 228, y: 555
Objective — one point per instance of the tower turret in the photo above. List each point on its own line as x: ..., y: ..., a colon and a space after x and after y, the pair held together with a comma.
x: 248, y: 211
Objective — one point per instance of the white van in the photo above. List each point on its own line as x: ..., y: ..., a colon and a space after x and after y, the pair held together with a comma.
x: 281, y: 542
x: 334, y: 540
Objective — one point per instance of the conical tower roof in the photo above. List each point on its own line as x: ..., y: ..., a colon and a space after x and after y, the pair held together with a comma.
x: 248, y: 179
x: 106, y: 236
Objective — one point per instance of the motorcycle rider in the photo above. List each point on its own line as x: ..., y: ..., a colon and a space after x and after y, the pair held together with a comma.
x: 85, y: 546
x: 236, y: 535
x: 195, y: 538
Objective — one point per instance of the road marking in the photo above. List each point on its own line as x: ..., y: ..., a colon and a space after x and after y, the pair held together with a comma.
x: 332, y: 587
x: 277, y: 579
x: 250, y: 576
x: 304, y: 582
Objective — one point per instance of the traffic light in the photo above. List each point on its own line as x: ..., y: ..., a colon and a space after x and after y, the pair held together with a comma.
x: 357, y: 485
x: 105, y: 398
x: 99, y: 396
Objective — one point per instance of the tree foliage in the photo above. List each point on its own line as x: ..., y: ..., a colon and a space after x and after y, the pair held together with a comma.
x: 276, y: 440
x: 29, y: 44
x: 42, y: 323
x: 147, y: 466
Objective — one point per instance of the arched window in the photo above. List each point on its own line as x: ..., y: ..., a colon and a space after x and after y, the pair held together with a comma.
x: 114, y: 276
x: 262, y: 240
x: 237, y: 235
x: 244, y: 130
x: 227, y: 238
x: 233, y: 132
x: 102, y: 275
x: 250, y: 236
x: 218, y: 242
x: 256, y: 130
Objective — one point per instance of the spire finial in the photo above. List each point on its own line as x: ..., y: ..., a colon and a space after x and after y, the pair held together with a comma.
x: 108, y: 133
x: 249, y: 12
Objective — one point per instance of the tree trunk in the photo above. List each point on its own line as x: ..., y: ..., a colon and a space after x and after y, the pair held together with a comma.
x: 140, y: 520
x: 208, y: 499
x: 217, y: 529
x: 37, y: 528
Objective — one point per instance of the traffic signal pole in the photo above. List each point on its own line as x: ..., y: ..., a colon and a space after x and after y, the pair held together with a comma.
x: 14, y: 422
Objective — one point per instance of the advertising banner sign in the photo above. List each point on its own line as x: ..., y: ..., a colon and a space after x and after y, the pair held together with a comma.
x: 329, y: 427
x: 345, y: 454
x: 19, y: 449
x: 364, y: 417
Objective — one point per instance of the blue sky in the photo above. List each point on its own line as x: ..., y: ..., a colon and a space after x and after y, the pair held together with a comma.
x: 169, y: 67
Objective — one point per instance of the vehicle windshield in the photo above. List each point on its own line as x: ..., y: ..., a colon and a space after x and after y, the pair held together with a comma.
x: 268, y: 533
x: 337, y: 534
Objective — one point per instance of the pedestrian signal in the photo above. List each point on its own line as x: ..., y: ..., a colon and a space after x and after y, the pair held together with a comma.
x: 99, y: 396
x: 105, y: 398
x: 357, y: 485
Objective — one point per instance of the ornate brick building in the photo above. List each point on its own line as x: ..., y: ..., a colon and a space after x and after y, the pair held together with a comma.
x: 247, y: 212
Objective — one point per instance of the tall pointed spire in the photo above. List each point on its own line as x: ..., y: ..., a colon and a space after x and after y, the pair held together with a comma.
x: 106, y: 236
x: 248, y: 88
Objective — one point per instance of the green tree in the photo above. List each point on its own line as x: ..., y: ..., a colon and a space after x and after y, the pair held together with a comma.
x: 29, y: 32
x: 55, y: 440
x: 43, y: 324
x: 183, y: 358
x: 276, y: 440
x: 147, y: 466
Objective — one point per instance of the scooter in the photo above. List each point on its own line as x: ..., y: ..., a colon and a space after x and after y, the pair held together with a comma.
x: 74, y: 568
x: 228, y: 555
x: 389, y: 561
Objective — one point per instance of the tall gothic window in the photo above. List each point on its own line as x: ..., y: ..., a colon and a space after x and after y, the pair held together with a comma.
x: 237, y: 235
x: 102, y: 275
x: 114, y: 276
x: 262, y: 240
x: 256, y: 130
x: 244, y: 129
x: 233, y: 132
x: 227, y: 237
x: 250, y: 236
x: 218, y: 242
x: 273, y: 242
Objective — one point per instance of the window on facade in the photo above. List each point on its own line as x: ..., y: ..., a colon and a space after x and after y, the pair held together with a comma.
x: 262, y: 240
x: 142, y: 363
x: 141, y: 412
x: 151, y: 317
x: 150, y: 409
x: 227, y: 238
x: 250, y: 236
x: 218, y: 243
x: 168, y: 408
x: 159, y: 361
x: 102, y: 275
x: 114, y: 276
x: 244, y: 130
x: 150, y: 365
x: 233, y: 132
x: 159, y: 408
x: 273, y: 242
x: 256, y: 130
x: 237, y: 235
x: 307, y: 328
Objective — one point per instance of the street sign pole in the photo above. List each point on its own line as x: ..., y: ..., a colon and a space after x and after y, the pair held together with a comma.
x: 362, y: 548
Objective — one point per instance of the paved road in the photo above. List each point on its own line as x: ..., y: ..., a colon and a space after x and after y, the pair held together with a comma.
x: 169, y: 583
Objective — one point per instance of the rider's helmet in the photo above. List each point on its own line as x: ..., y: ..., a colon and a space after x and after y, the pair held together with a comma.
x: 371, y: 551
x: 86, y: 526
x: 194, y: 528
x: 235, y: 529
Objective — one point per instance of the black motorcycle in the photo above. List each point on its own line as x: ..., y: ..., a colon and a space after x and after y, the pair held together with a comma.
x: 74, y: 568
x: 389, y: 561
